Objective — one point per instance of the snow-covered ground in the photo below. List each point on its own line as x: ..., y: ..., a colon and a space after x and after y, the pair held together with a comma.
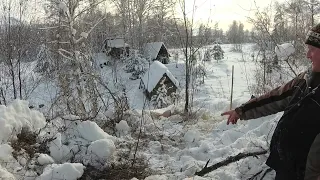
x: 185, y: 149
x: 175, y: 149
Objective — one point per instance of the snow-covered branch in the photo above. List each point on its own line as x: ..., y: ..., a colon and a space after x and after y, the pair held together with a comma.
x: 88, y: 8
x: 84, y: 35
x: 62, y: 51
x: 60, y: 42
x: 52, y: 27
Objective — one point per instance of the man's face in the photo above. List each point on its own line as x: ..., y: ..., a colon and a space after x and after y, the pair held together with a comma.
x: 314, y: 55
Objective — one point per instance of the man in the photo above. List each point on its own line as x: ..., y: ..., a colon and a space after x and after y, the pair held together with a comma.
x: 300, y: 123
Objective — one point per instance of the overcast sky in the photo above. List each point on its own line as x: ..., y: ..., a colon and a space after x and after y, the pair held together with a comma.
x: 221, y: 11
x: 225, y: 11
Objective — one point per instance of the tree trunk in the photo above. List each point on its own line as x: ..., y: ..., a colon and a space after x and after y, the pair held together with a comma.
x: 186, y: 106
x: 10, y: 60
x: 19, y: 50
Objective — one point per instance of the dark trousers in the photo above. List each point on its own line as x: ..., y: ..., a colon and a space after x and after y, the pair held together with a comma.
x: 286, y: 176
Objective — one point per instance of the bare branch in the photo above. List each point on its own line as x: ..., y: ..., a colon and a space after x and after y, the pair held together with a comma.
x: 229, y: 160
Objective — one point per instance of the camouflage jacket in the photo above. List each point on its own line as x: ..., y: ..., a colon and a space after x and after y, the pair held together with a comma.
x: 272, y: 102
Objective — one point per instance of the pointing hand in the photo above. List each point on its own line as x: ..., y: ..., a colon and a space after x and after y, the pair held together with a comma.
x: 233, y: 116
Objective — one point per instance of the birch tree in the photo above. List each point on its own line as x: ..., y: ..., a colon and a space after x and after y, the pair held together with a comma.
x: 75, y: 73
x: 185, y: 28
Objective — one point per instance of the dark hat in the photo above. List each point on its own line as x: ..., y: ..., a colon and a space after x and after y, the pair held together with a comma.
x: 313, y: 36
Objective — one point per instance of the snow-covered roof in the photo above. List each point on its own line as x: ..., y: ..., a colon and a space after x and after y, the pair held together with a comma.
x: 116, y: 43
x: 152, y: 49
x: 283, y: 51
x: 155, y: 73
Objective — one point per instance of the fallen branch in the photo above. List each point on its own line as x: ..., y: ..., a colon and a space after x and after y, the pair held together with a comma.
x: 229, y: 160
x: 266, y: 172
x: 255, y: 175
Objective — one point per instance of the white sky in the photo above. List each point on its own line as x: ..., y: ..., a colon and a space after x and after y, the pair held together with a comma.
x: 221, y: 11
x: 225, y: 11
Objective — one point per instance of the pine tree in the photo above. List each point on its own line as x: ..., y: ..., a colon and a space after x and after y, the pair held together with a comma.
x: 161, y: 98
x: 218, y: 52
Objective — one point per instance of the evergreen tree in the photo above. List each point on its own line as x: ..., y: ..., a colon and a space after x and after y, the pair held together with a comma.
x: 161, y: 98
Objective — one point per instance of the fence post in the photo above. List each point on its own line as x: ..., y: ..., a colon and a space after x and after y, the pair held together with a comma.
x: 231, y: 87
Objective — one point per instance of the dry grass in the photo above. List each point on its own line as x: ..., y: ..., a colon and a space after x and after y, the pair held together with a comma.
x: 26, y: 141
x: 118, y: 172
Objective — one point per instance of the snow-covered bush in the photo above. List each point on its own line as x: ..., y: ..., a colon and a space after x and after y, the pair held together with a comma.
x: 122, y: 128
x: 34, y: 146
x: 100, y: 151
x: 64, y: 148
x: 208, y: 55
x: 218, y: 53
x: 19, y: 142
x: 199, y: 73
x: 15, y: 117
x: 273, y: 65
x: 44, y: 62
x: 136, y: 65
x: 89, y: 144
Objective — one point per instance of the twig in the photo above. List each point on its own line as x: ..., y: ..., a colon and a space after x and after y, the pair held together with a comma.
x: 89, y: 118
x: 265, y: 173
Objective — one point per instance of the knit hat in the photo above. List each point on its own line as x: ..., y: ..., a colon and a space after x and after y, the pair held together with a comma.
x: 313, y: 36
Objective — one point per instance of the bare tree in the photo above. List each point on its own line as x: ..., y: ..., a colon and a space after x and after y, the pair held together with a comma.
x: 16, y: 45
x: 235, y: 35
x: 7, y: 9
x: 162, y: 13
x: 313, y: 6
x: 185, y: 28
x: 75, y: 81
x: 289, y: 24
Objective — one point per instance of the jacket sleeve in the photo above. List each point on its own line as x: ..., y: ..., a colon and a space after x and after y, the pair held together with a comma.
x: 313, y: 160
x: 270, y: 103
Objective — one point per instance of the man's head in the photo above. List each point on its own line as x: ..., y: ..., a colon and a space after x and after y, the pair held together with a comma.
x: 313, y: 43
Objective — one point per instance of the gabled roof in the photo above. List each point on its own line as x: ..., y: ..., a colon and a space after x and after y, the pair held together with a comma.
x: 152, y: 49
x: 156, y: 71
x: 116, y: 43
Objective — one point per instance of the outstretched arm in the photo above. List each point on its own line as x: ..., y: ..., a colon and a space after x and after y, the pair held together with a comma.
x: 270, y: 103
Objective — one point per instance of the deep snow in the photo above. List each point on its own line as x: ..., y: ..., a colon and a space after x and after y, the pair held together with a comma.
x: 174, y: 149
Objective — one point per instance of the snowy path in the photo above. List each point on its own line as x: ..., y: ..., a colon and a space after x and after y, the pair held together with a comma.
x: 217, y: 85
